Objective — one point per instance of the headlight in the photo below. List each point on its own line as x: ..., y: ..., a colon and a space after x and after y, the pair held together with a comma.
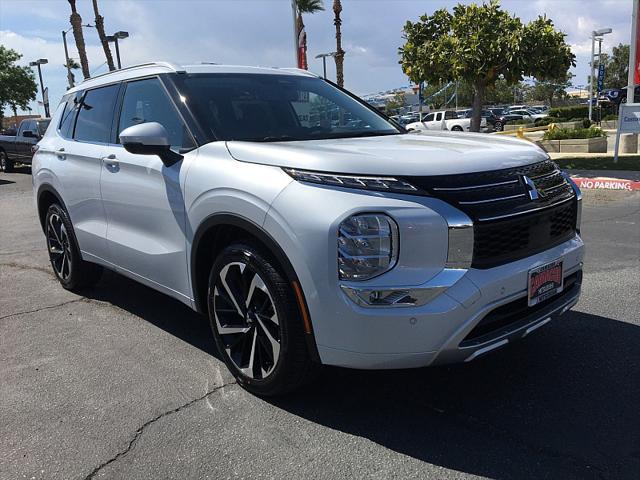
x: 384, y: 184
x: 367, y: 246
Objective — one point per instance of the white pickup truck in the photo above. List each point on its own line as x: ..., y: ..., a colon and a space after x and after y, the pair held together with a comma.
x: 444, y: 120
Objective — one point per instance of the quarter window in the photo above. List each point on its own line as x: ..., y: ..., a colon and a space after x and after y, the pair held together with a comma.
x: 146, y: 101
x: 95, y: 115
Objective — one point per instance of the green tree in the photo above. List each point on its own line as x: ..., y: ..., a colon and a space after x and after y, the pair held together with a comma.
x: 395, y: 102
x: 617, y: 67
x: 547, y: 90
x: 305, y: 6
x: 17, y: 84
x: 480, y: 44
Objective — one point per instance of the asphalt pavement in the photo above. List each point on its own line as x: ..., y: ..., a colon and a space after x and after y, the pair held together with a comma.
x: 124, y: 382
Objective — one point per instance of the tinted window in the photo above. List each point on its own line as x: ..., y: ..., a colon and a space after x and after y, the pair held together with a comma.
x: 429, y: 118
x: 263, y: 108
x: 68, y: 117
x: 147, y: 101
x: 449, y: 115
x: 22, y: 128
x: 42, y: 126
x: 95, y: 115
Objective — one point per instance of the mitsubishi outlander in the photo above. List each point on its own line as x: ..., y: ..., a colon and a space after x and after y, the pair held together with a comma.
x: 307, y: 226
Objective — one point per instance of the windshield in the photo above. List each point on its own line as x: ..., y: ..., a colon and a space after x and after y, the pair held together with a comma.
x: 269, y: 108
x: 42, y: 126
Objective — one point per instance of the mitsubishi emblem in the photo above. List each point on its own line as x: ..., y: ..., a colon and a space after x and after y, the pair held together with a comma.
x: 534, y: 193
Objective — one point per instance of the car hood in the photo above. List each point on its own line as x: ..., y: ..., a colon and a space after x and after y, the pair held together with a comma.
x: 426, y: 153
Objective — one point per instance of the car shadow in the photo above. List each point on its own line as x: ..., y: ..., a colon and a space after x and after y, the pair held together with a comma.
x: 156, y: 308
x: 562, y: 403
x: 5, y: 182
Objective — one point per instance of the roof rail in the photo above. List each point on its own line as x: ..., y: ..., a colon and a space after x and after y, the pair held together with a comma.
x: 169, y: 65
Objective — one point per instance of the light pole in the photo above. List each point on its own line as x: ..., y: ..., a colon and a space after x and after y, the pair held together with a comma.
x: 45, y: 101
x: 594, y: 34
x: 70, y: 76
x: 324, y: 56
x: 114, y: 38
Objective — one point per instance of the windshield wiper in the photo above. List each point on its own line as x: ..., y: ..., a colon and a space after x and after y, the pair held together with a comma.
x: 274, y: 138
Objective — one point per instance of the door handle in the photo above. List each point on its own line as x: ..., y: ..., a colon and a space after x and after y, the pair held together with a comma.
x: 110, y: 161
x: 60, y: 153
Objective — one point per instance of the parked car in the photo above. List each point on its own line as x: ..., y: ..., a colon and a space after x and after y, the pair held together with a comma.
x: 443, y: 120
x: 487, y: 115
x: 18, y: 148
x: 305, y: 243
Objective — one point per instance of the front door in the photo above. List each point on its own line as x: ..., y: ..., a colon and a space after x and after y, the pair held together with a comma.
x: 143, y: 199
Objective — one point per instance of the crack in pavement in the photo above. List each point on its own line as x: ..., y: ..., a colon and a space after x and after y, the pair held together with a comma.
x: 21, y: 266
x: 48, y: 307
x: 141, y: 430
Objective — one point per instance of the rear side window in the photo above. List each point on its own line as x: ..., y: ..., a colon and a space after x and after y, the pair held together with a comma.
x: 449, y: 115
x: 95, y: 115
x: 146, y: 101
x: 68, y: 117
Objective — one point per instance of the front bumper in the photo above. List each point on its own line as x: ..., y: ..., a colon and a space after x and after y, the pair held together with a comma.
x: 438, y: 332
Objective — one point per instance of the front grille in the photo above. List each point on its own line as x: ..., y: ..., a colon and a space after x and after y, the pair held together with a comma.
x: 517, y: 212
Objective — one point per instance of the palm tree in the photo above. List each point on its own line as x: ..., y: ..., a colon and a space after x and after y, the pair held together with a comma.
x: 103, y: 36
x: 76, y: 23
x: 305, y: 6
x: 339, y: 56
x: 71, y: 65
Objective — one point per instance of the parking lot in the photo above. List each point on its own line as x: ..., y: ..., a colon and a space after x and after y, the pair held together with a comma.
x: 124, y: 383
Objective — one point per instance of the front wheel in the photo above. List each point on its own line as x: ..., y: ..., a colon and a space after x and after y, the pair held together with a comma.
x: 256, y: 321
x: 498, y: 126
x: 6, y: 165
x: 72, y: 272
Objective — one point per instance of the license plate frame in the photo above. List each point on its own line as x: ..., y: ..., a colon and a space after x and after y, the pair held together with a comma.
x: 545, y: 281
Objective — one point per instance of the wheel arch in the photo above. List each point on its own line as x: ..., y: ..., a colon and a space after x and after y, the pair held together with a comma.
x: 47, y: 195
x: 219, y: 230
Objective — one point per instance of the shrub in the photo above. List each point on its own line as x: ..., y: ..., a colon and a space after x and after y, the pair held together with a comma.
x: 586, y: 123
x: 520, y: 122
x: 568, y: 133
x: 610, y: 117
x: 581, y: 111
x: 548, y: 120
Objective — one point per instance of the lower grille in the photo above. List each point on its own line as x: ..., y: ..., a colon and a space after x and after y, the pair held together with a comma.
x: 517, y: 312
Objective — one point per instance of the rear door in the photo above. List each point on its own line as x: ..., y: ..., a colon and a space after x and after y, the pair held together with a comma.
x: 143, y: 199
x: 83, y: 134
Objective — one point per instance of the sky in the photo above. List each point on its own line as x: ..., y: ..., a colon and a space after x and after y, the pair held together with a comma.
x: 260, y: 32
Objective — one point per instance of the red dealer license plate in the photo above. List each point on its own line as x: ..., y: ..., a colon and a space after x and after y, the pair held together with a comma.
x: 545, y: 281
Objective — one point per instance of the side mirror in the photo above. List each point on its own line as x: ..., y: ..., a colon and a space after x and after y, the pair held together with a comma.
x: 149, y: 138
x: 28, y: 134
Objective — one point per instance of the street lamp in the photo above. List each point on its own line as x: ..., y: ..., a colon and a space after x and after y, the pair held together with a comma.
x: 45, y: 99
x: 595, y: 35
x: 324, y: 56
x: 114, y: 38
x: 70, y: 77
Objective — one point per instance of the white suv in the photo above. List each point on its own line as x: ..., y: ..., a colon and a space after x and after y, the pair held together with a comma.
x: 309, y: 228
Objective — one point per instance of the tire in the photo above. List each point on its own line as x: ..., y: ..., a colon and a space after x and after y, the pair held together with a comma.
x: 256, y: 322
x: 72, y: 272
x: 456, y: 128
x: 498, y: 126
x: 6, y: 165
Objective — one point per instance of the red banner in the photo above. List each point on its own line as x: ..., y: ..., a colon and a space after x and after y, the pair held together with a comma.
x: 636, y: 62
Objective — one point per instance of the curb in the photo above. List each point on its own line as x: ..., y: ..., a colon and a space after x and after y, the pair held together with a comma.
x: 605, y: 183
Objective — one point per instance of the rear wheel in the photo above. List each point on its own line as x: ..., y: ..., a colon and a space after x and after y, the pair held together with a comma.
x: 72, y: 272
x: 6, y: 165
x: 256, y: 322
x: 456, y: 128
